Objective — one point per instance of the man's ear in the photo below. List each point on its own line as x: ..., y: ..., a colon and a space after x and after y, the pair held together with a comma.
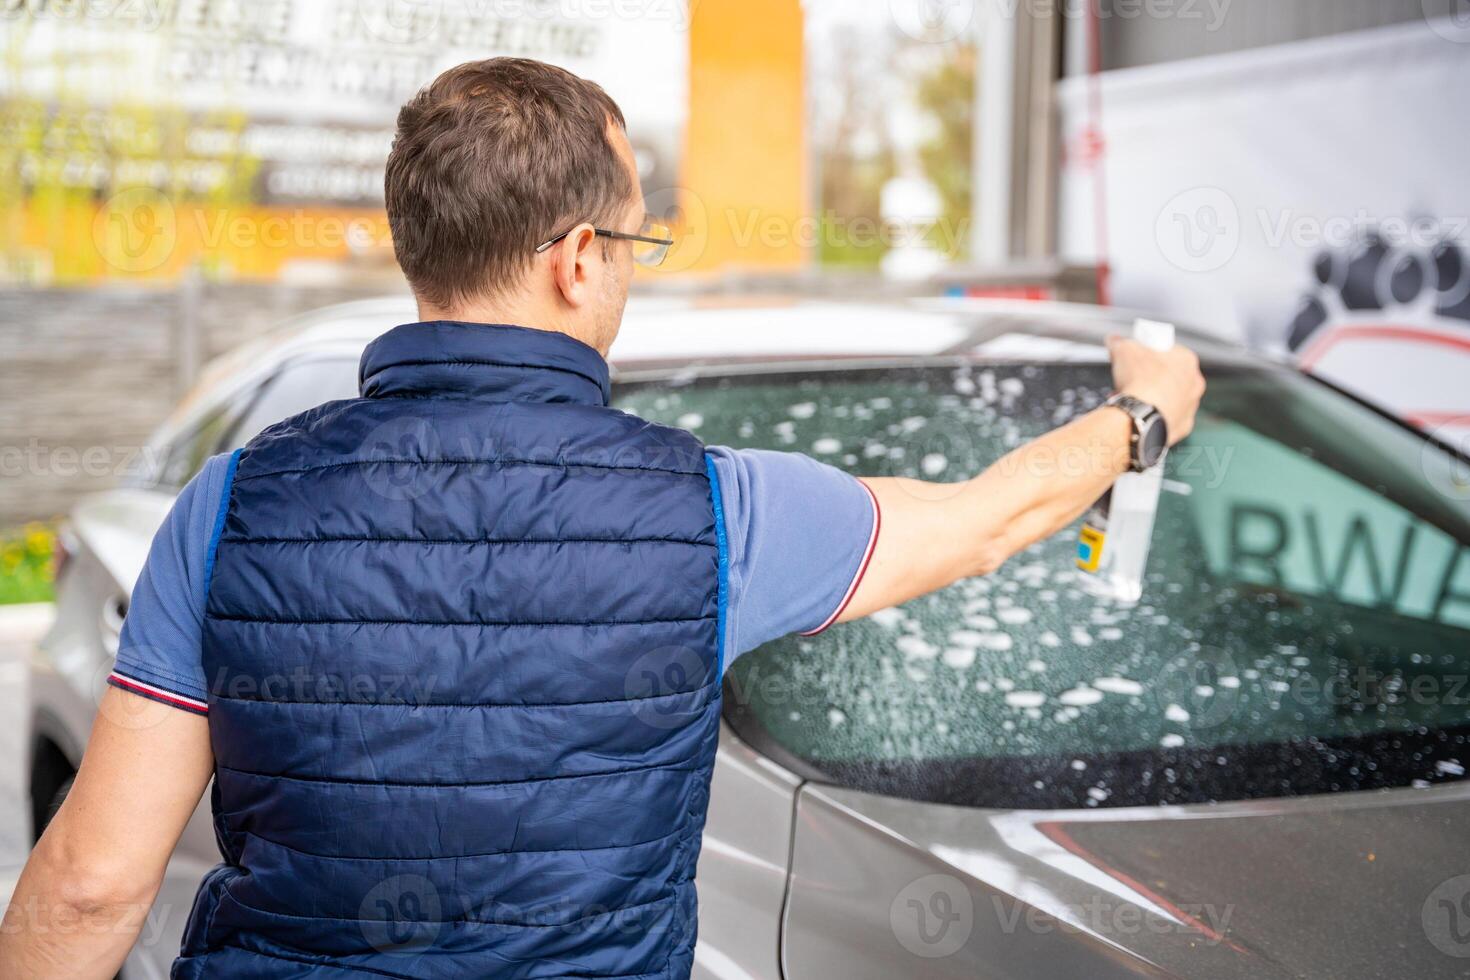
x: 571, y: 260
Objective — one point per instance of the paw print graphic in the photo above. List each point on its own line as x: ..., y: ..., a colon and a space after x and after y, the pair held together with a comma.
x: 1375, y: 276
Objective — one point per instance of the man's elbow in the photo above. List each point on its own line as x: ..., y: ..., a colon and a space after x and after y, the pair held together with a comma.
x: 989, y: 554
x: 93, y: 888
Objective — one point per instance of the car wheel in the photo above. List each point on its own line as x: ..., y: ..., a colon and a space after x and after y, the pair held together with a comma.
x: 51, y: 776
x: 54, y: 805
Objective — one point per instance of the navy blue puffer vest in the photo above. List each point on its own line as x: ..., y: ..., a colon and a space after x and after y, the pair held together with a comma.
x: 462, y: 644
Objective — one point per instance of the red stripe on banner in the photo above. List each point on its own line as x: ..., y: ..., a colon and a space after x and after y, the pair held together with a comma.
x: 1314, y: 352
x: 862, y: 568
x: 1428, y: 420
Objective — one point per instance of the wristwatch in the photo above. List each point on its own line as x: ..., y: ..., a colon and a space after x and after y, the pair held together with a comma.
x: 1150, y: 431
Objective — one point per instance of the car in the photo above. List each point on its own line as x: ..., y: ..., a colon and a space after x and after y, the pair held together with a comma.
x: 1256, y: 770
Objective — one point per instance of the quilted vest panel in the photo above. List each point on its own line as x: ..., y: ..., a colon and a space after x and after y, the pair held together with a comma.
x: 462, y: 642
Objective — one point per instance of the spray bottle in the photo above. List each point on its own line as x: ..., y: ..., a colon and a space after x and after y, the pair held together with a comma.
x: 1112, y: 547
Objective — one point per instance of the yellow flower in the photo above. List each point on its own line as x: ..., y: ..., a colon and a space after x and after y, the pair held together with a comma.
x: 39, y: 541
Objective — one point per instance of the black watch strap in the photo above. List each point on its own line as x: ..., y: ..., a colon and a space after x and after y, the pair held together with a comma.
x: 1144, y: 417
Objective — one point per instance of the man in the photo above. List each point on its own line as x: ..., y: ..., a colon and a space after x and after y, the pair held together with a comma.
x: 562, y: 584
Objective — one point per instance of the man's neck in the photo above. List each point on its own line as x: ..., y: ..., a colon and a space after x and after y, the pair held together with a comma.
x: 520, y: 314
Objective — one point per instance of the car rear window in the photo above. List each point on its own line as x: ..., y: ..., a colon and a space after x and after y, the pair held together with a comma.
x: 1305, y: 625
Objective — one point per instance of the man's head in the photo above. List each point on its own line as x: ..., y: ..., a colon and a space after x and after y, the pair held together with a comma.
x: 490, y: 161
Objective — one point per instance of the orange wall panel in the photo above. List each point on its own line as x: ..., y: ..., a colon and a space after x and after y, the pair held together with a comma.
x: 744, y: 186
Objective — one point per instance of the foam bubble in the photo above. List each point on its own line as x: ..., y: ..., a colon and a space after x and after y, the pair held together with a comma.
x: 916, y: 648
x: 1118, y: 685
x: 1080, y: 696
x: 890, y: 616
x: 959, y: 657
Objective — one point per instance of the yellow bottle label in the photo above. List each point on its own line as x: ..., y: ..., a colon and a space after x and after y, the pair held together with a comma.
x: 1089, y: 548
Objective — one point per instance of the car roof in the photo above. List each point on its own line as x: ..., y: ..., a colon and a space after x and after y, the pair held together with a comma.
x: 659, y: 330
x: 663, y: 335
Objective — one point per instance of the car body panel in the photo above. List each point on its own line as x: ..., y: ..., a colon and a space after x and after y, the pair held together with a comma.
x: 845, y: 857
x: 741, y: 877
x: 1306, y: 887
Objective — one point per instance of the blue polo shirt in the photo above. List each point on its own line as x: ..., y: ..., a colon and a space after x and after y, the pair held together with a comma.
x: 799, y: 536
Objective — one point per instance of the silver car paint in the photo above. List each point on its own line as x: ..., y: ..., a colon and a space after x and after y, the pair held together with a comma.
x: 859, y: 863
x: 1314, y: 887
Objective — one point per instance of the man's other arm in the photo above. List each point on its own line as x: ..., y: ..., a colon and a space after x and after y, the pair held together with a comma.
x: 935, y: 534
x: 87, y: 888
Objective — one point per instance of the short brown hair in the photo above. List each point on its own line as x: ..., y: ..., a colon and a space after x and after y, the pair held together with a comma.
x: 490, y: 160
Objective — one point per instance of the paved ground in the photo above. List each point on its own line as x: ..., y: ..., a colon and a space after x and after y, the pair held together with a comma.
x: 20, y: 628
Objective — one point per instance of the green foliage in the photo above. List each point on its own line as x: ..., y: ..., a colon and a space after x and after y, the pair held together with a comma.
x: 26, y: 565
x: 948, y: 96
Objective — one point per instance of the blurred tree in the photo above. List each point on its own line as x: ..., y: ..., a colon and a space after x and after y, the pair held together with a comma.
x: 854, y: 152
x: 947, y: 95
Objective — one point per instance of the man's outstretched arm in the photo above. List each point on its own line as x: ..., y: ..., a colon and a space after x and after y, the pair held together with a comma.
x: 934, y: 534
x: 87, y: 888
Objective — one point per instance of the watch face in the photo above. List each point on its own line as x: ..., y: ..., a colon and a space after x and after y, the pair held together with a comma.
x: 1153, y: 439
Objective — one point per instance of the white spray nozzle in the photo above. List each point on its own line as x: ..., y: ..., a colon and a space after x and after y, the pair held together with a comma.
x: 1154, y: 333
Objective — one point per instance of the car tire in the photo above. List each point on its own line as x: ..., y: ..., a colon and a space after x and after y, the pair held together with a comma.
x: 53, y: 806
x: 51, y: 777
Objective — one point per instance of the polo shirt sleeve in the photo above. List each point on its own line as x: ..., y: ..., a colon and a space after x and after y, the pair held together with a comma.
x: 159, y: 651
x: 799, y: 536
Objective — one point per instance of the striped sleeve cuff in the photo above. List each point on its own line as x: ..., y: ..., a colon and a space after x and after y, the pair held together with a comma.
x: 155, y: 693
x: 862, y: 569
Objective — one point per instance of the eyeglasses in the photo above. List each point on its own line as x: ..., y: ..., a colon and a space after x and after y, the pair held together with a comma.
x: 650, y: 245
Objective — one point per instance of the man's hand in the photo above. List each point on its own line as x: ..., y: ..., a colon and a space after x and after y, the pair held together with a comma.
x: 87, y: 887
x: 935, y: 534
x: 1168, y: 380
